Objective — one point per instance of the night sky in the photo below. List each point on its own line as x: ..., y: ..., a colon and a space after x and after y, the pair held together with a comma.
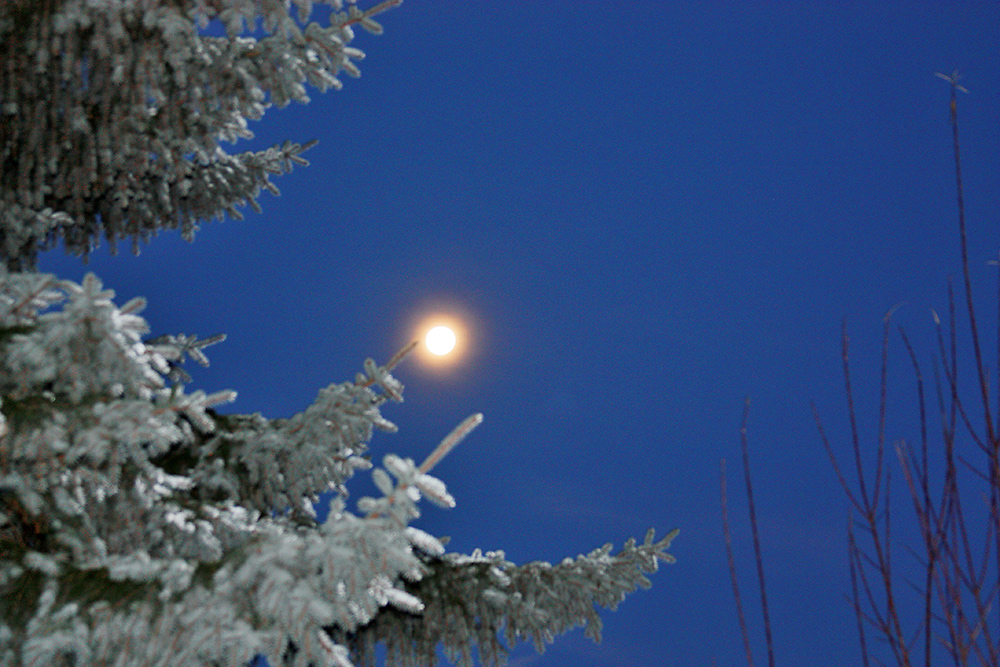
x: 643, y: 213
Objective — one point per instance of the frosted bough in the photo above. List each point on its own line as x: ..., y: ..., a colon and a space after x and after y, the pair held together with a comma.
x: 139, y: 525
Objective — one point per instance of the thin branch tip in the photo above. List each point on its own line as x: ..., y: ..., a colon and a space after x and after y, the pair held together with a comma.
x: 451, y: 441
x: 401, y: 354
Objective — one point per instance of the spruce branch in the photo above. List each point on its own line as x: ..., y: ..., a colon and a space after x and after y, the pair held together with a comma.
x: 487, y: 603
x: 113, y: 129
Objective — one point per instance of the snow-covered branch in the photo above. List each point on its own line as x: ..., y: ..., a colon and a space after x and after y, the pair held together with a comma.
x: 138, y: 525
x: 113, y: 128
x: 474, y: 601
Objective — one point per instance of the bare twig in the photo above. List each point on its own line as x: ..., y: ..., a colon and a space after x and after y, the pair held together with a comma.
x: 960, y: 197
x: 756, y: 537
x: 727, y: 534
x: 867, y: 505
x: 859, y: 614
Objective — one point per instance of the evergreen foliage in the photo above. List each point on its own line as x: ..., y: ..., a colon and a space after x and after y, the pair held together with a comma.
x: 137, y: 525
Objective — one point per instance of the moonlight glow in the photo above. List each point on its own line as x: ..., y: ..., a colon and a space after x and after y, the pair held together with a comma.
x: 440, y: 340
x: 445, y: 337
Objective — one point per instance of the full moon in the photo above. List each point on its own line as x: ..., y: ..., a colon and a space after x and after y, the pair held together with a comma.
x: 440, y: 340
x: 445, y: 336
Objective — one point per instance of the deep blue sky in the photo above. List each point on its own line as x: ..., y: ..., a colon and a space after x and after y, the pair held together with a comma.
x: 646, y: 212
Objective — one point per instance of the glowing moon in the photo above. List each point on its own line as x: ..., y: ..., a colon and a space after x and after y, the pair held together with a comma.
x: 446, y: 336
x: 440, y: 340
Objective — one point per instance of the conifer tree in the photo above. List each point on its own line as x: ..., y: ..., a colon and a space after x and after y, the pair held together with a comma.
x: 138, y: 526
